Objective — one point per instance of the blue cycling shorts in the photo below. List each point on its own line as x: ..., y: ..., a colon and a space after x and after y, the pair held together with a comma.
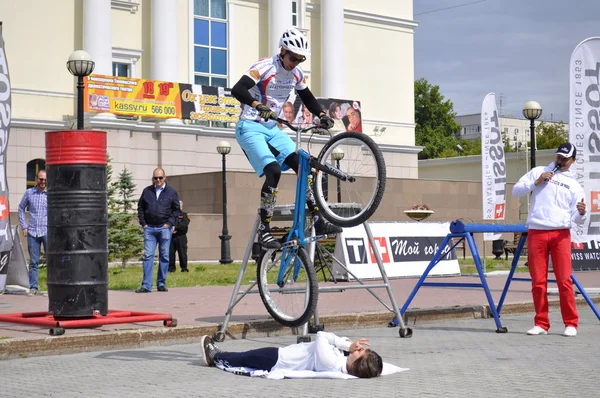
x: 263, y: 145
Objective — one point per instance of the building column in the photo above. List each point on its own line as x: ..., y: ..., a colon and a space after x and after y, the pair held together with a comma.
x: 164, y: 56
x: 333, y: 76
x: 164, y: 41
x: 280, y: 19
x: 97, y: 34
x: 97, y: 40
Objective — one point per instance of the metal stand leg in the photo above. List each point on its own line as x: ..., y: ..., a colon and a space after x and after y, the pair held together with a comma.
x: 404, y: 331
x: 486, y: 289
x: 436, y: 258
x: 220, y: 335
x: 585, y: 295
x: 513, y: 268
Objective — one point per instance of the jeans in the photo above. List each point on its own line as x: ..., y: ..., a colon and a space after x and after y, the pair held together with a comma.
x: 33, y: 246
x: 152, y: 236
x: 261, y: 358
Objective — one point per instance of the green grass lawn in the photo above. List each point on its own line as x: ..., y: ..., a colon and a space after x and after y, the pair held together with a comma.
x: 130, y: 278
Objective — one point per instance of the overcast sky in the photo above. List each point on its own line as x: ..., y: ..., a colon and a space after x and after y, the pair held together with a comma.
x: 518, y: 48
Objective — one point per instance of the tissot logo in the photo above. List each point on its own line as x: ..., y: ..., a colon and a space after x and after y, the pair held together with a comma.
x: 356, y: 251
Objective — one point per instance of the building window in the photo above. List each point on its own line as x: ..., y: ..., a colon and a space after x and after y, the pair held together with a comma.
x: 33, y: 167
x: 516, y: 131
x: 295, y: 14
x: 210, y: 42
x: 121, y: 70
x: 124, y: 62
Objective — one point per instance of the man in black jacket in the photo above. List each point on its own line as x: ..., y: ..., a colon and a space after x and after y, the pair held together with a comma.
x: 179, y: 241
x: 158, y: 209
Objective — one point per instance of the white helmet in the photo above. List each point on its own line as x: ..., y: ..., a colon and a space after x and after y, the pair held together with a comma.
x: 293, y: 40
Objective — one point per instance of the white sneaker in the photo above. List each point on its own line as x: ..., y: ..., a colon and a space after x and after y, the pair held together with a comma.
x: 537, y: 330
x: 570, y: 331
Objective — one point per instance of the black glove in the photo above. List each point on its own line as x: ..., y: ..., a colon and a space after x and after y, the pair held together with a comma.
x: 265, y: 112
x: 325, y: 122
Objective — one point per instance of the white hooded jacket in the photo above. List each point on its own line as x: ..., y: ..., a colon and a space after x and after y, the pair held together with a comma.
x: 554, y: 203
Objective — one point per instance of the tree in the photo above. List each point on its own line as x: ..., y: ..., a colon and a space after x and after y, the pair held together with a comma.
x: 434, y: 118
x: 124, y: 237
x: 550, y: 136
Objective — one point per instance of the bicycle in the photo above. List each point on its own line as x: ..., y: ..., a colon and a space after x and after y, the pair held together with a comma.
x: 290, y: 294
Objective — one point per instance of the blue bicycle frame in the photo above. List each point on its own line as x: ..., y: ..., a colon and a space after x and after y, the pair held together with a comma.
x: 296, y: 233
x: 296, y: 237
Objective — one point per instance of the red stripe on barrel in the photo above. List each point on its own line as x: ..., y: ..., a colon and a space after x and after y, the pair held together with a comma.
x: 75, y: 147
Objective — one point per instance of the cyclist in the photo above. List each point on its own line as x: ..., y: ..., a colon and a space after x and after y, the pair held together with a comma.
x: 262, y: 91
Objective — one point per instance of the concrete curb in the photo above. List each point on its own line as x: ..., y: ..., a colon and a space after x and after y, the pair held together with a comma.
x: 139, y: 338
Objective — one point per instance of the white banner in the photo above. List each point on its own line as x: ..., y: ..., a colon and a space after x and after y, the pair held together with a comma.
x: 493, y: 165
x: 406, y: 249
x: 584, y: 131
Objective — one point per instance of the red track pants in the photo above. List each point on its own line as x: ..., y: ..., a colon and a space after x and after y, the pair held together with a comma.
x: 557, y: 243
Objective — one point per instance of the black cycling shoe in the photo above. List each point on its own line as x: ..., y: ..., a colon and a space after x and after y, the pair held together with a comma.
x: 267, y: 240
x: 323, y: 227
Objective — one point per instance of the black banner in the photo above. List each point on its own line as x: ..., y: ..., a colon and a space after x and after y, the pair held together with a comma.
x: 585, y: 256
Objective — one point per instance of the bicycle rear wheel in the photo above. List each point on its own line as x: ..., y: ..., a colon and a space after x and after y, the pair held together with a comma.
x: 360, y: 159
x: 295, y: 301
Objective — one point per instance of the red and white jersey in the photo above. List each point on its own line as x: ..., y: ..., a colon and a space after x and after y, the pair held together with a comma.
x: 273, y: 86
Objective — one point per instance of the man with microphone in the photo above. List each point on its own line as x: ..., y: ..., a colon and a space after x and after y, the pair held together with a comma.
x: 557, y: 200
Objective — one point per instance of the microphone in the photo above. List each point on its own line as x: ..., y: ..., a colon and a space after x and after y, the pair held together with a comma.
x: 554, y: 170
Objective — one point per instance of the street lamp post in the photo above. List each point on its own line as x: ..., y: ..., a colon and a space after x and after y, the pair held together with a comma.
x: 338, y: 154
x: 80, y: 64
x: 224, y: 148
x: 532, y: 111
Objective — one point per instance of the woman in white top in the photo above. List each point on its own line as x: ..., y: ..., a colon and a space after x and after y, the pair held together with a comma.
x: 326, y: 353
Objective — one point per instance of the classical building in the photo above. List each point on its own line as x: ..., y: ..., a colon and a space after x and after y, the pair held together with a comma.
x: 208, y: 43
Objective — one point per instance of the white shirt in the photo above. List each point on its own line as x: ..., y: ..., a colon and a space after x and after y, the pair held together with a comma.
x: 159, y: 190
x: 323, y: 355
x: 553, y: 203
x: 274, y: 85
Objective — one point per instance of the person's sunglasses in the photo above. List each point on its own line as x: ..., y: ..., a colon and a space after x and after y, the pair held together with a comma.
x: 42, y: 179
x: 294, y: 59
x: 158, y: 178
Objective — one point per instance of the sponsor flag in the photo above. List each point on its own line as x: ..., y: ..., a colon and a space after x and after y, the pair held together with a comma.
x: 584, y: 133
x: 6, y: 239
x: 493, y: 165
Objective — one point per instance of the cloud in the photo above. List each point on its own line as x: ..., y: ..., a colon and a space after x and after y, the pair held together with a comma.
x: 515, y: 48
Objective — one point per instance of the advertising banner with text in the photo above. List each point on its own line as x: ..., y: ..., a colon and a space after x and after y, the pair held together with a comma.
x: 406, y: 249
x: 584, y: 133
x: 493, y: 165
x: 135, y: 97
x: 159, y: 99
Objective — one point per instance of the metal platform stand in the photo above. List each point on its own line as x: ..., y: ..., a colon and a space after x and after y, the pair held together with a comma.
x: 286, y: 213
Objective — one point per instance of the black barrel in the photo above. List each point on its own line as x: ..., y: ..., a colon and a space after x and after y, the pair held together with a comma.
x: 77, y: 252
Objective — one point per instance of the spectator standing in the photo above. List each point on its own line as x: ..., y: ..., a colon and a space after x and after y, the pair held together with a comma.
x: 35, y: 201
x: 158, y: 209
x: 179, y: 241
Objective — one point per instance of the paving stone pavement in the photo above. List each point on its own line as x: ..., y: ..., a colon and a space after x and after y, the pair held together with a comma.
x: 456, y: 358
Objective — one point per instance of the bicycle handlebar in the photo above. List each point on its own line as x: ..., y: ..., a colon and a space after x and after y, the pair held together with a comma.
x: 316, y: 129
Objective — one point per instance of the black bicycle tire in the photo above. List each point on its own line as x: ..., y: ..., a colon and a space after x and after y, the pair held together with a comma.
x: 379, y: 161
x: 311, y: 279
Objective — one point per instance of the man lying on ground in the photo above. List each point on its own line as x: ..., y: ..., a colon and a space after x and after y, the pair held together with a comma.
x: 327, y: 353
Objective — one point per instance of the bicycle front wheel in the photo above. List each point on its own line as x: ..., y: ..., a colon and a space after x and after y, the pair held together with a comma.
x: 358, y: 156
x: 294, y: 302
